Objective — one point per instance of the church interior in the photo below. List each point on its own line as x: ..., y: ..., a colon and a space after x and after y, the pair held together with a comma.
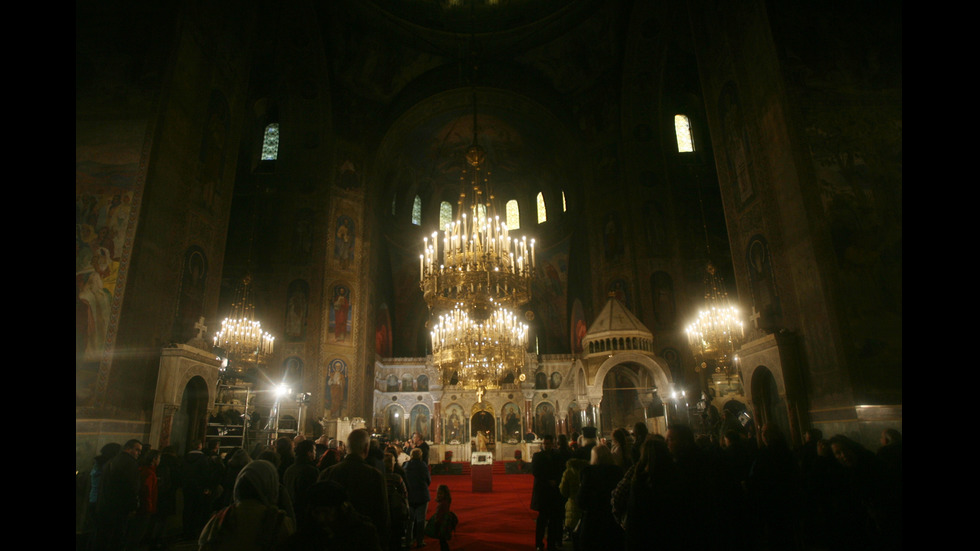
x: 286, y: 163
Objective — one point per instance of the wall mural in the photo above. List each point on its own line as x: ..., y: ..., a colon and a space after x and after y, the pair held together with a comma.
x: 549, y: 290
x: 292, y: 373
x: 340, y: 313
x: 105, y: 191
x: 347, y: 177
x: 544, y: 419
x: 297, y: 309
x: 420, y: 421
x: 738, y: 155
x: 343, y: 243
x: 620, y: 288
x: 762, y: 281
x: 664, y: 310
x: 212, y: 156
x: 191, y: 299
x: 510, y: 421
x: 612, y: 237
x: 337, y: 387
x: 455, y: 431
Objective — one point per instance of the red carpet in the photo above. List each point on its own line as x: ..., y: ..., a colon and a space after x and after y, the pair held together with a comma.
x: 500, y: 520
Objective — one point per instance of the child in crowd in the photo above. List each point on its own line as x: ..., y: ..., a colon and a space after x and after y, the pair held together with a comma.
x: 443, y: 522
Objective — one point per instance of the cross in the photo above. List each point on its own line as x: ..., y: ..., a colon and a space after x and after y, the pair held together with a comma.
x: 755, y: 317
x: 201, y: 328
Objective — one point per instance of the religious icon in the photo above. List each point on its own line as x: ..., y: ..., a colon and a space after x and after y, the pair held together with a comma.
x: 336, y: 387
x: 340, y: 313
x: 343, y: 246
x: 512, y: 423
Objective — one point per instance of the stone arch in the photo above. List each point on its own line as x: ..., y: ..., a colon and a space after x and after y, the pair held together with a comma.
x: 656, y: 367
x: 395, y: 420
x: 192, y: 413
x: 767, y: 397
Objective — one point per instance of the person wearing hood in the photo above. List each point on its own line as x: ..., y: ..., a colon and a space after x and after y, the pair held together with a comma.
x: 253, y: 522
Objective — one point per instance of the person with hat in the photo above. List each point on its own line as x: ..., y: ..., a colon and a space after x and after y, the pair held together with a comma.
x: 586, y: 442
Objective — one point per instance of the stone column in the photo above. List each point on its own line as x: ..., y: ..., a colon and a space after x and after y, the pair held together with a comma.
x: 528, y: 414
x: 562, y: 421
x: 437, y: 422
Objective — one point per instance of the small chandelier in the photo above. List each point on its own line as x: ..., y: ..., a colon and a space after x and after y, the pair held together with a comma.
x: 241, y: 335
x: 718, y: 330
x: 479, y: 354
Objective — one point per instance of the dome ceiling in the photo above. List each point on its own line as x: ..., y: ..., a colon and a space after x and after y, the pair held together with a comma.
x: 523, y: 141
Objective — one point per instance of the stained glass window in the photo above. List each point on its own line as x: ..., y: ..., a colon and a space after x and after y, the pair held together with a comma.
x: 542, y: 213
x: 445, y: 214
x: 513, y: 215
x: 270, y: 142
x: 417, y: 211
x: 682, y: 128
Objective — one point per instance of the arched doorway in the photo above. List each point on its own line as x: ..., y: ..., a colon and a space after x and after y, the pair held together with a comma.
x: 395, y: 419
x: 191, y: 417
x: 483, y: 429
x: 767, y: 404
x: 628, y: 393
x: 634, y: 386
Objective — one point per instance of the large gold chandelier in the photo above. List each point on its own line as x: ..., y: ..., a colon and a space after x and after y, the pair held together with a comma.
x: 241, y: 335
x: 478, y: 266
x: 479, y: 354
x: 475, y: 274
x: 718, y: 330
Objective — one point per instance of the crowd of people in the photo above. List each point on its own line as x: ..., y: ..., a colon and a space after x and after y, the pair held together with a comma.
x: 299, y: 494
x: 645, y: 491
x: 632, y: 491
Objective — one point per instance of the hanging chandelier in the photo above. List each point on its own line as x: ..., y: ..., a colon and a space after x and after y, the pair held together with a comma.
x: 475, y: 274
x: 479, y: 354
x: 718, y: 330
x: 478, y: 266
x: 241, y: 335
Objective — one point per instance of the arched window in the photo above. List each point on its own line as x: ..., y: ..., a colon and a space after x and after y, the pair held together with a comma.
x: 682, y: 128
x: 270, y: 142
x: 445, y: 214
x: 513, y: 215
x: 564, y: 206
x: 542, y: 213
x: 417, y: 211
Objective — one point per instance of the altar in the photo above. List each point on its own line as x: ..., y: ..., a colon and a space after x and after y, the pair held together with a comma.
x: 481, y: 464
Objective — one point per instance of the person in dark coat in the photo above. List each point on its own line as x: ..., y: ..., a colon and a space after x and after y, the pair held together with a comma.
x: 300, y: 477
x: 586, y: 442
x: 644, y: 501
x: 201, y: 479
x: 333, y: 523
x: 545, y: 496
x: 418, y: 479
x: 118, y: 497
x: 600, y: 530
x: 364, y: 484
